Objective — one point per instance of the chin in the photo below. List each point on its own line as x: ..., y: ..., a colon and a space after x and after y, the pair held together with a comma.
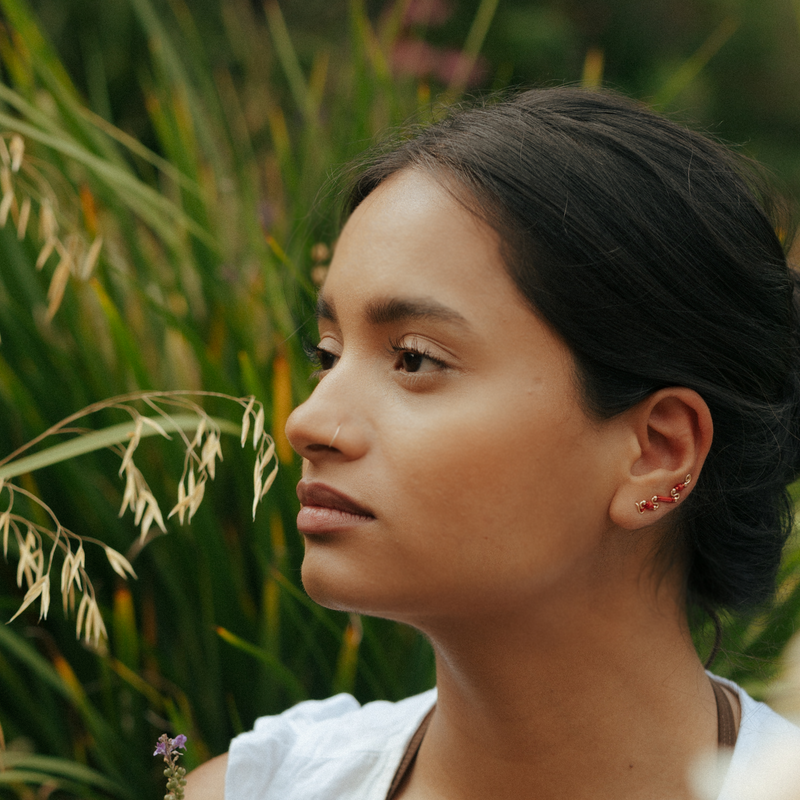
x: 331, y: 584
x: 343, y: 586
x: 323, y: 593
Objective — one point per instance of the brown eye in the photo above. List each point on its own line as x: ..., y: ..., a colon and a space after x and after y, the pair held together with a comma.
x: 325, y: 359
x: 411, y: 361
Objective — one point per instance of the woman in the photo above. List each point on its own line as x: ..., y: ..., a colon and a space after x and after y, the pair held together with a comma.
x: 557, y: 405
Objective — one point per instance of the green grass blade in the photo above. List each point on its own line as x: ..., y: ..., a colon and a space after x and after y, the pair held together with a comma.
x: 289, y: 61
x: 22, y: 20
x: 47, y: 767
x: 97, y: 440
x: 694, y: 65
x: 154, y: 208
x: 284, y: 676
x: 472, y: 47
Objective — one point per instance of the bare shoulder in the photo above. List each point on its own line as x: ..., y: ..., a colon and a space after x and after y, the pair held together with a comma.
x: 207, y: 782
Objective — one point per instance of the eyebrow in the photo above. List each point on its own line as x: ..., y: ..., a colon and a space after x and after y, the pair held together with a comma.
x: 325, y: 310
x: 385, y: 312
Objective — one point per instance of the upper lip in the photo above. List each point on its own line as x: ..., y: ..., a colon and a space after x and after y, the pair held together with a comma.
x: 318, y: 494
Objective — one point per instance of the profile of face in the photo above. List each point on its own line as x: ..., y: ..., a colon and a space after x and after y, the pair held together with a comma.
x: 449, y: 466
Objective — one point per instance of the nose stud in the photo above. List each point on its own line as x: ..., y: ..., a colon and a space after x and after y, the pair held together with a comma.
x: 652, y: 503
x: 335, y: 434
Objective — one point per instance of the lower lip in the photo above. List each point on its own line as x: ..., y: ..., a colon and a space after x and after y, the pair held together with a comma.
x: 318, y: 519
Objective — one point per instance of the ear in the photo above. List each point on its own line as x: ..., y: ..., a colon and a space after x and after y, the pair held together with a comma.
x: 671, y: 433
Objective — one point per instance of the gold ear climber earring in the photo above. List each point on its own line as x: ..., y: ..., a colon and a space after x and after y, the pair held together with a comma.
x: 674, y: 496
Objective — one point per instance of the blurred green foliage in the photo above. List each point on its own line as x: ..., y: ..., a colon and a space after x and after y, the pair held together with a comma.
x: 195, y: 139
x: 743, y: 58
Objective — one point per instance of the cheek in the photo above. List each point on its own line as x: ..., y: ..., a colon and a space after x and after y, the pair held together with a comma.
x: 479, y: 511
x: 466, y: 474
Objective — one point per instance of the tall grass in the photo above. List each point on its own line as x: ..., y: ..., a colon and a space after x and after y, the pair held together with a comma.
x: 203, y: 281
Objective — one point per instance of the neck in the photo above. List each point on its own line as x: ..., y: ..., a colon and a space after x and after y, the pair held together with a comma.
x: 581, y: 696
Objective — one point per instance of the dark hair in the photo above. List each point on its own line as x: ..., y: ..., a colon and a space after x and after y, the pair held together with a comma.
x: 649, y: 249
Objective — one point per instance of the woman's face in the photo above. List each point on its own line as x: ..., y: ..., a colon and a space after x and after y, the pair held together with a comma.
x: 449, y: 466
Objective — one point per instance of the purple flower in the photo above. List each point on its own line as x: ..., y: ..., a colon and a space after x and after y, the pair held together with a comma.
x: 166, y: 746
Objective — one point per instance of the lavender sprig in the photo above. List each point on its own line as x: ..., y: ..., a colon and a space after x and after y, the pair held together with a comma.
x: 175, y: 775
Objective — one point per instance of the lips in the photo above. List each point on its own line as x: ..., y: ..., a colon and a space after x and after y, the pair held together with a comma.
x: 326, y: 510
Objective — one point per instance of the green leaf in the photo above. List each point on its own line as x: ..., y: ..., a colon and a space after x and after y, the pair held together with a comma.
x: 97, y: 440
x: 38, y: 769
x: 285, y: 677
x: 159, y: 212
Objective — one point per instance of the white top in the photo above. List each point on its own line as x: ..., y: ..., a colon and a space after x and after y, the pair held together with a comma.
x: 335, y: 748
x: 765, y: 764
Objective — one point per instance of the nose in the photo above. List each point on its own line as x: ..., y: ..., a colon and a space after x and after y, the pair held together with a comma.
x: 329, y: 423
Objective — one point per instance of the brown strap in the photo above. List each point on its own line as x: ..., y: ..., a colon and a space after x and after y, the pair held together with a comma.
x: 409, y: 755
x: 726, y: 725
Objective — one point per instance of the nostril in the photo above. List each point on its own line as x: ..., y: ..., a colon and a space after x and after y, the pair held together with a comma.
x: 318, y: 448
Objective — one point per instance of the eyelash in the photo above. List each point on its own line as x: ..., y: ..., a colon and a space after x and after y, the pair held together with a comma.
x: 397, y: 348
x: 318, y: 355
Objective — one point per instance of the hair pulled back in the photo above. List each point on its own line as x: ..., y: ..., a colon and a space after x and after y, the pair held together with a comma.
x: 649, y: 249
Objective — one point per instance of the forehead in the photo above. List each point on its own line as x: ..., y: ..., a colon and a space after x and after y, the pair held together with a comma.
x: 411, y: 238
x: 412, y: 257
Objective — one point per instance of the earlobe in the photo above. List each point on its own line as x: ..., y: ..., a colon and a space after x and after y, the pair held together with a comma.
x: 672, y: 430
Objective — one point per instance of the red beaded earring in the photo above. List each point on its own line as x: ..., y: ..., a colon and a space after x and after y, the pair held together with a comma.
x: 674, y: 496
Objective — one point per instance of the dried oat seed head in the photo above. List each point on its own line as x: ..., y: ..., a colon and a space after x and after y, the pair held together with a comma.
x: 119, y: 563
x: 88, y: 264
x: 258, y: 428
x: 201, y: 453
x: 24, y: 216
x: 16, y: 150
x: 246, y: 419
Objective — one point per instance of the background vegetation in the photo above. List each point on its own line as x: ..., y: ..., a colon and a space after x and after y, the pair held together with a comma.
x: 194, y: 139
